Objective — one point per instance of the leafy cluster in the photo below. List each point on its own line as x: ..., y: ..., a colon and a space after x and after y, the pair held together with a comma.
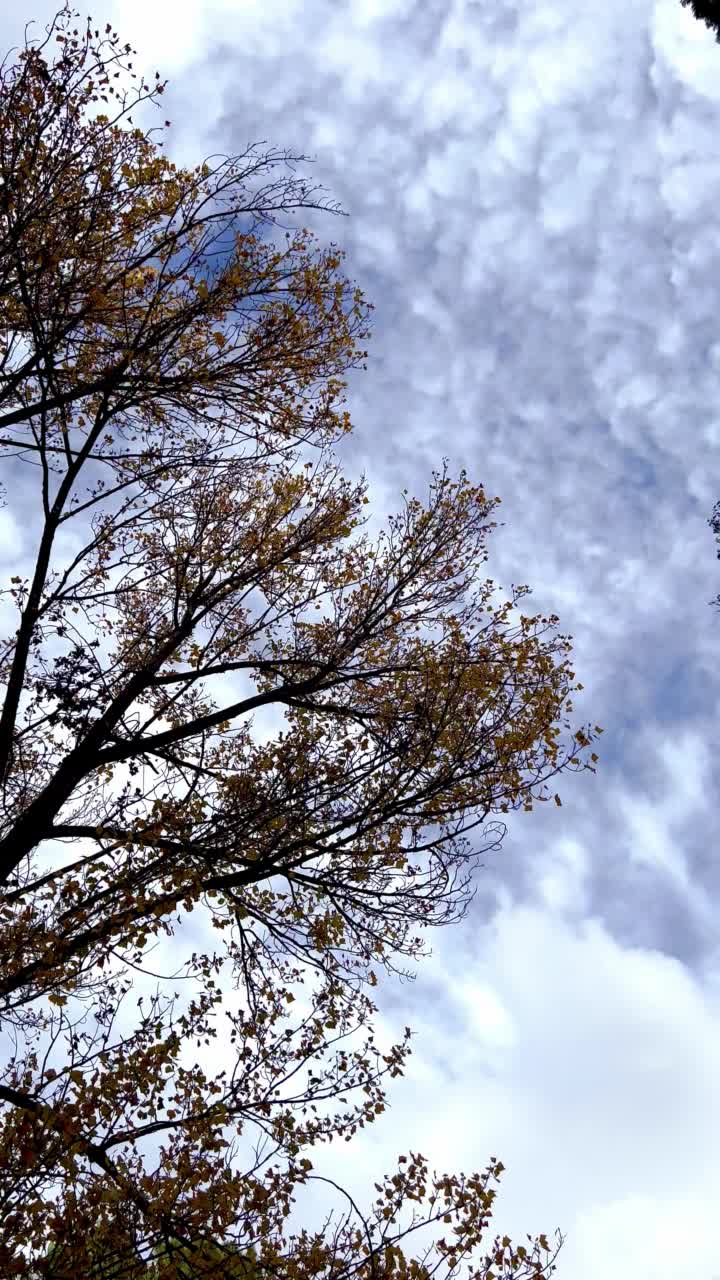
x: 222, y: 695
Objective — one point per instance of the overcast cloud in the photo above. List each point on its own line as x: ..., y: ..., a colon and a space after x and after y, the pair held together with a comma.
x: 533, y: 192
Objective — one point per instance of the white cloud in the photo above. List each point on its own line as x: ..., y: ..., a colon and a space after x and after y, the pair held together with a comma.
x: 590, y: 1068
x: 11, y: 539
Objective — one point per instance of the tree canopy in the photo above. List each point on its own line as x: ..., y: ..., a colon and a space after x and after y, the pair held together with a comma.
x: 222, y: 695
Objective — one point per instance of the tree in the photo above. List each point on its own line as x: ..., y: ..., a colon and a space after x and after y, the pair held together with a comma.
x: 111, y: 1264
x: 171, y: 388
x: 714, y: 523
x: 708, y: 11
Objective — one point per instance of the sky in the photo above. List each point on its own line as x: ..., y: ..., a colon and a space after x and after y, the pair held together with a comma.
x: 532, y: 192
